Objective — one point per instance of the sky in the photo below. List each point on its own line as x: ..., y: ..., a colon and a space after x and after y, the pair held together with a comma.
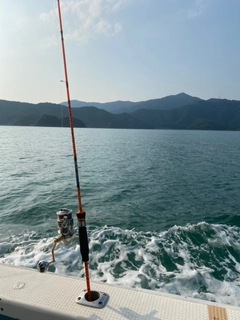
x: 119, y: 49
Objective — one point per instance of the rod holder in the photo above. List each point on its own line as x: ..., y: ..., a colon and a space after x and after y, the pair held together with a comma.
x: 99, y: 299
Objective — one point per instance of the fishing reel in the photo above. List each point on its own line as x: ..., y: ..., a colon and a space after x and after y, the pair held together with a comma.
x: 66, y: 235
x: 65, y: 225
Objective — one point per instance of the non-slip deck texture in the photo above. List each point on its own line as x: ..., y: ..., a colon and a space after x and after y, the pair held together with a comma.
x: 26, y: 294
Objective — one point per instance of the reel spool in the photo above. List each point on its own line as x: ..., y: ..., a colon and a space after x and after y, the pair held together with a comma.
x: 65, y: 225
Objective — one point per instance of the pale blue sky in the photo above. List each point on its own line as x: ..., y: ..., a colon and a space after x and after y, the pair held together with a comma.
x: 120, y: 49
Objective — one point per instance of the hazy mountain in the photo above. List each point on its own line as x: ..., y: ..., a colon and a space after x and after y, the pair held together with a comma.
x: 166, y: 103
x: 14, y: 108
x: 48, y: 114
x: 113, y: 107
x: 213, y: 114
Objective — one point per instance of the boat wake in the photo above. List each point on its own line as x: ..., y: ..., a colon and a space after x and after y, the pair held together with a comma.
x: 199, y: 261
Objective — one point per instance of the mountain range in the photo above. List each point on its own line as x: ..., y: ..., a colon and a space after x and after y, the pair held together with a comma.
x: 179, y: 111
x: 117, y: 107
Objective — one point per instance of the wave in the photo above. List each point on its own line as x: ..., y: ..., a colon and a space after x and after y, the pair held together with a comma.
x: 196, y: 260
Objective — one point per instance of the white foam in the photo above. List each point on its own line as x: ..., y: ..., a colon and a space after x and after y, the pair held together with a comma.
x: 147, y: 260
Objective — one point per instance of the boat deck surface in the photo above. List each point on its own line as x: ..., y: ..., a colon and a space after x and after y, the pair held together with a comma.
x: 26, y: 294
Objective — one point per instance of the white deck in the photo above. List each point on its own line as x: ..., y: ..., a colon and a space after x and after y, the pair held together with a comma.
x: 26, y: 294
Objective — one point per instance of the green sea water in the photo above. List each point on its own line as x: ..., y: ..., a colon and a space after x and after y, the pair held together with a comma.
x: 162, y: 206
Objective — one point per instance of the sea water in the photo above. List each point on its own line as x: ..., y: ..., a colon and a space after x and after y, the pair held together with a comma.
x: 162, y: 206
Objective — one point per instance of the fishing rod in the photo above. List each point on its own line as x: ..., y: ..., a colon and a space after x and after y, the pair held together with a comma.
x: 82, y: 231
x: 66, y: 232
x: 64, y: 216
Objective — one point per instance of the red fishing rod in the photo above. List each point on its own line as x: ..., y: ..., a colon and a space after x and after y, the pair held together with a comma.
x: 83, y: 238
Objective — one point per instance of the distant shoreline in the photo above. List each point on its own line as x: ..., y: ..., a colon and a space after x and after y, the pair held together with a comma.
x: 173, y: 112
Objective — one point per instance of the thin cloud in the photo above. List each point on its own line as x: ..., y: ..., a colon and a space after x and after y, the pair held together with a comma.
x: 87, y: 19
x: 197, y: 9
x: 104, y: 27
x: 118, y: 5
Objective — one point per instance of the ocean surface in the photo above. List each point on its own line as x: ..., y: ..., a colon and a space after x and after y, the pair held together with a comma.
x: 163, y: 206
